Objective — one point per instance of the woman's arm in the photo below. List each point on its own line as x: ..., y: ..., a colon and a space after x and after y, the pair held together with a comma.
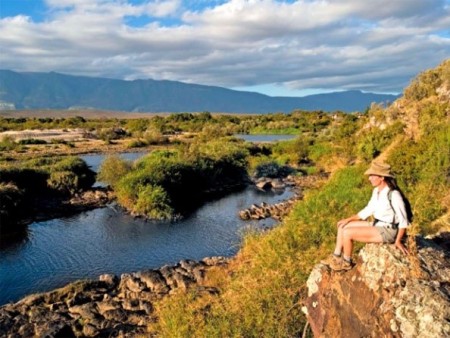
x: 368, y: 210
x: 398, y: 241
x: 343, y: 222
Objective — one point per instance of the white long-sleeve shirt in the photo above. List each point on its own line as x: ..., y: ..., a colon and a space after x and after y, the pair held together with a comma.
x: 380, y: 208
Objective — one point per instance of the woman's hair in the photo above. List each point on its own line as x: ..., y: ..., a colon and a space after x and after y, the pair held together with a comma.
x: 392, y: 183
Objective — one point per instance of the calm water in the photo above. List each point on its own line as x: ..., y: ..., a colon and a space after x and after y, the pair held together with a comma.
x: 265, y: 138
x: 53, y: 253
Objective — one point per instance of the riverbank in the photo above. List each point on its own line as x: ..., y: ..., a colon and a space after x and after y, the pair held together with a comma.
x: 110, y: 306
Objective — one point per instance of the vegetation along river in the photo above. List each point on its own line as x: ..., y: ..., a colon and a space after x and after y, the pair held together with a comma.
x: 53, y: 253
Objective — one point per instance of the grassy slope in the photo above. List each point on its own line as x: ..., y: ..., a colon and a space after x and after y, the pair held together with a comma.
x: 263, y: 287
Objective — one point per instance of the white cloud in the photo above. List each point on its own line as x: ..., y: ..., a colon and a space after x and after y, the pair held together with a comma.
x: 162, y: 8
x: 335, y: 44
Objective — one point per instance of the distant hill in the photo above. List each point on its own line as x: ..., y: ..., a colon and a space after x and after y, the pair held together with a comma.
x: 59, y: 91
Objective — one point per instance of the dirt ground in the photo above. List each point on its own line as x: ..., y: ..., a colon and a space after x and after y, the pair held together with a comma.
x: 73, y: 142
x: 47, y: 135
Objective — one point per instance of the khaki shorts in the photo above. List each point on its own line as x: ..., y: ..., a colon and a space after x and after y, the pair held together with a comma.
x: 387, y: 234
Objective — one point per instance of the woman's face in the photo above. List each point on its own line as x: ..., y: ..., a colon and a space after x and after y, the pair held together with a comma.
x: 376, y: 180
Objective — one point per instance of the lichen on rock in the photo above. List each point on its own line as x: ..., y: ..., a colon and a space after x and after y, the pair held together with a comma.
x: 380, y: 296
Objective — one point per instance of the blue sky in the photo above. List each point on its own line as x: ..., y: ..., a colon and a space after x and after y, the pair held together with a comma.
x: 280, y: 48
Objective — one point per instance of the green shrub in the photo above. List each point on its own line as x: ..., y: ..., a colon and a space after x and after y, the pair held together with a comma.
x: 7, y: 143
x: 32, y: 141
x: 31, y: 181
x: 65, y: 182
x: 373, y: 141
x: 186, y: 177
x: 69, y: 174
x: 85, y: 176
x: 112, y: 169
x: 60, y: 141
x: 320, y: 150
x: 11, y: 205
x: 153, y: 202
x: 153, y: 136
x: 423, y: 169
x: 137, y: 144
x: 272, y: 170
x: 137, y: 126
x: 424, y: 85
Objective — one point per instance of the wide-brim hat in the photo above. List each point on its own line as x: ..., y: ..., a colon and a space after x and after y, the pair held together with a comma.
x: 379, y: 169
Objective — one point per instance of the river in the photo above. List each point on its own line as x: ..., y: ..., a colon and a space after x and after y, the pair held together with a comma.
x: 52, y: 253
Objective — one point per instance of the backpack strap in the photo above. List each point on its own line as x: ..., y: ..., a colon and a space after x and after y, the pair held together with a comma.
x: 390, y: 203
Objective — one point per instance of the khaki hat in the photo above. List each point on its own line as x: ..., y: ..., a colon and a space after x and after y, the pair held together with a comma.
x: 379, y: 169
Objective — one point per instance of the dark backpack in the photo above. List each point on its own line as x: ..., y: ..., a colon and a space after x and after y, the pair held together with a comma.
x: 408, y: 209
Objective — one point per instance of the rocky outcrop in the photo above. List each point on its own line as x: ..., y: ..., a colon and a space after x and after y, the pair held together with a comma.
x: 278, y: 210
x: 264, y: 210
x: 107, y: 307
x: 92, y: 198
x: 381, y: 297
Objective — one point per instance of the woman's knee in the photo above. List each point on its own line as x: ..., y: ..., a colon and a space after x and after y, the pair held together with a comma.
x: 347, y: 234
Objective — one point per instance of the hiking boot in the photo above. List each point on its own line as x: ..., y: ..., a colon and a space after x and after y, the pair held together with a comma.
x: 341, y: 265
x: 330, y: 259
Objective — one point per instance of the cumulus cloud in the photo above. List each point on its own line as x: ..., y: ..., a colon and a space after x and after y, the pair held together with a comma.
x: 336, y: 44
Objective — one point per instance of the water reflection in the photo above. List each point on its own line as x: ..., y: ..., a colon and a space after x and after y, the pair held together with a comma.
x: 58, y: 251
x: 13, y: 240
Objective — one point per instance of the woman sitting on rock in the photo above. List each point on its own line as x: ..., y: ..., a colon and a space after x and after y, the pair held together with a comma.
x: 391, y: 220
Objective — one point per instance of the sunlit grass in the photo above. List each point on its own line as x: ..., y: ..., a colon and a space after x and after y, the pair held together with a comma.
x: 262, y: 296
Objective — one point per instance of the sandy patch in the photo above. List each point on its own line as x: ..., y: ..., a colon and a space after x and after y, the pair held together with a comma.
x: 47, y: 134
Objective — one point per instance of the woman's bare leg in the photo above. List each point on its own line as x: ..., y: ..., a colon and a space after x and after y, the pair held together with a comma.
x: 340, y: 238
x: 363, y: 234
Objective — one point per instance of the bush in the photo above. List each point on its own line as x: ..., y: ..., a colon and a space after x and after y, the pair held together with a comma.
x: 423, y: 171
x: 85, y: 176
x: 320, y: 151
x: 373, y: 141
x: 185, y: 177
x: 64, y: 182
x: 43, y: 175
x: 153, y: 136
x: 11, y: 205
x: 7, y: 143
x: 32, y: 141
x: 272, y: 170
x: 30, y: 181
x: 137, y: 144
x: 112, y: 169
x: 424, y: 85
x: 153, y: 202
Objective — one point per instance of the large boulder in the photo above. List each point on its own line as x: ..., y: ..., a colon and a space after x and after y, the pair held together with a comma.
x: 385, y: 295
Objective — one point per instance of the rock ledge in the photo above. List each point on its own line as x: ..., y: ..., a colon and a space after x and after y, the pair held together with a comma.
x: 380, y: 297
x: 108, y: 307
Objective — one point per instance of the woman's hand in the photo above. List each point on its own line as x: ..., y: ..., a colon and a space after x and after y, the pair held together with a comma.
x: 343, y: 222
x: 399, y: 245
x: 398, y: 241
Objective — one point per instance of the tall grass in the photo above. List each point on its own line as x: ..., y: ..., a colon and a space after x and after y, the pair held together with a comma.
x: 423, y: 169
x: 261, y: 298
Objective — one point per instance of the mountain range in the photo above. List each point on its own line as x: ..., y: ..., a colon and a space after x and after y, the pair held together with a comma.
x: 59, y: 91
